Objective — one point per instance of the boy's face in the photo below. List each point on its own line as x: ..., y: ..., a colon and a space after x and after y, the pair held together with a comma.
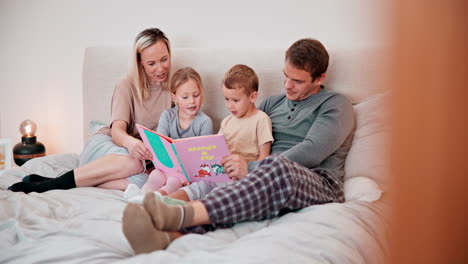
x: 298, y: 83
x: 238, y: 102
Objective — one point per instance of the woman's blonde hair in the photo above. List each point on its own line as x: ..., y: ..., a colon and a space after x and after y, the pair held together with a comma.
x: 137, y: 74
x: 183, y: 75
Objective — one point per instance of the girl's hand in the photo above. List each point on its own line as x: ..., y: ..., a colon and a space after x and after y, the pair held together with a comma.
x: 138, y: 150
x: 235, y: 166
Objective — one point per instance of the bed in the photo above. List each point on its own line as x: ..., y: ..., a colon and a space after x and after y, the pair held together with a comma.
x: 83, y: 225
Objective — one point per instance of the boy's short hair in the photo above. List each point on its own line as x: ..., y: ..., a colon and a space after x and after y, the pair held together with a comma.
x: 241, y: 76
x: 309, y: 55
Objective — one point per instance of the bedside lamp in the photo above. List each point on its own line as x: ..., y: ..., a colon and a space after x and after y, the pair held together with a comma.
x: 29, y: 147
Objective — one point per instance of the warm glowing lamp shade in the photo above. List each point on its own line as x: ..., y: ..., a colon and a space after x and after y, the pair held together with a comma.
x: 29, y: 147
x: 28, y: 128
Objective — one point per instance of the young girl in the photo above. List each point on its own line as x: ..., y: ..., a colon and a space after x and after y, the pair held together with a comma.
x: 184, y: 120
x: 247, y: 130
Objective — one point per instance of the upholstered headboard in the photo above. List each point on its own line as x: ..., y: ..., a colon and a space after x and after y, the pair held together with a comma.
x: 352, y: 72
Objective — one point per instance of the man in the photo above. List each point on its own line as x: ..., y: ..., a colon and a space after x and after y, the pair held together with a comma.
x: 312, y: 129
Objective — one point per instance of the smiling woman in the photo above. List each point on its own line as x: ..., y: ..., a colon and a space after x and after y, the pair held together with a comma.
x: 115, y: 155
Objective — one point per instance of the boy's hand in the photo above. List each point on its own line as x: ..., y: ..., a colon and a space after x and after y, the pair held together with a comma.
x: 235, y: 166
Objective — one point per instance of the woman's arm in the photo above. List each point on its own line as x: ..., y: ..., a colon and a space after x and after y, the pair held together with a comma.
x: 135, y: 147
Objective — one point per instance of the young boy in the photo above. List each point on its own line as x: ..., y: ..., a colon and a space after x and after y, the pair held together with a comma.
x: 247, y: 130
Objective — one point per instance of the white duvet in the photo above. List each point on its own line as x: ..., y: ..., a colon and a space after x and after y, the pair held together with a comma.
x: 83, y: 225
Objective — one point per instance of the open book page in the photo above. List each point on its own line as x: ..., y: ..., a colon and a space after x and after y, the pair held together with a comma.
x: 201, y: 157
x: 164, y: 155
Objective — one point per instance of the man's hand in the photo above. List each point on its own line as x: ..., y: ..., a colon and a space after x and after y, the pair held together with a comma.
x: 235, y: 166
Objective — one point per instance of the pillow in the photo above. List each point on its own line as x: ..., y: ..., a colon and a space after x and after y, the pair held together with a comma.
x: 52, y: 165
x: 368, y: 156
x: 361, y: 189
x: 94, y: 126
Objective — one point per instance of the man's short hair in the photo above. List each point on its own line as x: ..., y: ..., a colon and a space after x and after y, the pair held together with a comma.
x: 309, y: 55
x: 241, y: 76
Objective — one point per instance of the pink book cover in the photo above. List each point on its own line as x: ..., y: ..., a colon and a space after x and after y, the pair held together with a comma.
x: 201, y: 157
x: 164, y: 155
x: 193, y: 159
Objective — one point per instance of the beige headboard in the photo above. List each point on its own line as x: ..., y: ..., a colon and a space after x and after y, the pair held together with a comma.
x: 352, y: 72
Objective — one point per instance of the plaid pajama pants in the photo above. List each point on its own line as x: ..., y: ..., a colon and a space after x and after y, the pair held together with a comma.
x: 277, y: 186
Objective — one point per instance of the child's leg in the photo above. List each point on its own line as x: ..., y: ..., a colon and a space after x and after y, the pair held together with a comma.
x: 155, y: 181
x: 197, y: 190
x: 172, y: 184
x: 180, y: 195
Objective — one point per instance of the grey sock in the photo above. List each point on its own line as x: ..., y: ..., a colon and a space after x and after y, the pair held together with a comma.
x: 167, y: 217
x: 140, y: 232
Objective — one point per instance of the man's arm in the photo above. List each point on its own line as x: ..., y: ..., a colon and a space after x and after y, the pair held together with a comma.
x: 330, y: 129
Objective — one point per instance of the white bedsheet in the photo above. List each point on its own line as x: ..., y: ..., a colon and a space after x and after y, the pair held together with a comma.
x: 83, y: 225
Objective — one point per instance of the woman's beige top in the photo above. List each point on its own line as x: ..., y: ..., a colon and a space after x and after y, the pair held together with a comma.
x: 126, y: 106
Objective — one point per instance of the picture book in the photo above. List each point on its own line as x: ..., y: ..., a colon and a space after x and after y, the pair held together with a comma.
x: 190, y: 159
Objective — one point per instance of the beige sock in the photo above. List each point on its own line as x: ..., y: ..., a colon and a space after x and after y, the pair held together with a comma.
x: 140, y: 232
x: 167, y: 217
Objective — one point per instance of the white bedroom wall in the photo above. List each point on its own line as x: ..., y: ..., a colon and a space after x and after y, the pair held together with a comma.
x: 42, y: 45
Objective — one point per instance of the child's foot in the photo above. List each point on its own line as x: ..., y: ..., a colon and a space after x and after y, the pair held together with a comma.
x: 140, y: 232
x: 172, y: 184
x: 156, y: 180
x: 167, y: 217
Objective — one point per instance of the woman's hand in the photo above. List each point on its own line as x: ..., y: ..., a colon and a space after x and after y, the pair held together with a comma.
x: 235, y: 166
x: 137, y: 149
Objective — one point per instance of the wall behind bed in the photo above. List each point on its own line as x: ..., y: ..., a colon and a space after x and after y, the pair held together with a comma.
x: 42, y: 45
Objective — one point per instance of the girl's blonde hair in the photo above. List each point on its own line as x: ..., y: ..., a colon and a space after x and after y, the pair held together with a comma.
x: 137, y: 73
x: 183, y: 75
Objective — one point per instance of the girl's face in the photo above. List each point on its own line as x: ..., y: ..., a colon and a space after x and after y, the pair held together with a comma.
x: 188, y: 98
x: 156, y: 61
x: 238, y: 103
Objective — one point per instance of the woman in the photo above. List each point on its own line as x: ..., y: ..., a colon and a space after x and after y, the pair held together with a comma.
x: 115, y: 156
